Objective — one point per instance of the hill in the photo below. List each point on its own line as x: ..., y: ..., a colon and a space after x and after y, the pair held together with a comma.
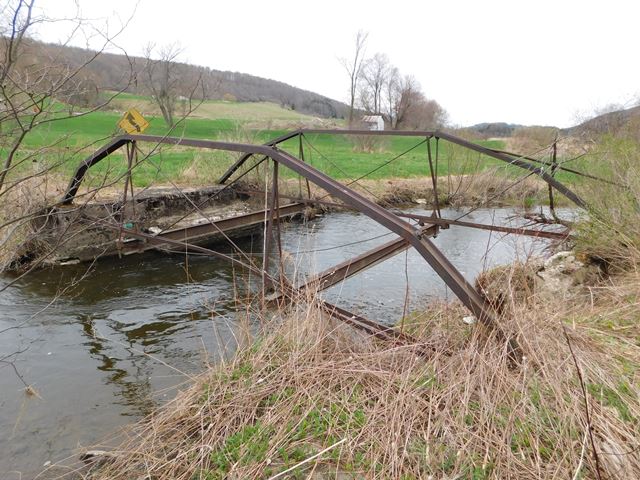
x: 494, y: 129
x: 109, y: 71
x: 612, y: 121
x: 607, y: 122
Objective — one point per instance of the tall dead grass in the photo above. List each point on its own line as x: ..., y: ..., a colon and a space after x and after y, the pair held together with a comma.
x: 311, y: 398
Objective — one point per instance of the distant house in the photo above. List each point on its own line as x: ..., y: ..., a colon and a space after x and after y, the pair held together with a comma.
x: 373, y: 122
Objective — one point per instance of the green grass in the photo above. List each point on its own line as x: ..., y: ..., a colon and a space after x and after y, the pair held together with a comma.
x: 263, y: 112
x: 336, y: 155
x: 253, y: 122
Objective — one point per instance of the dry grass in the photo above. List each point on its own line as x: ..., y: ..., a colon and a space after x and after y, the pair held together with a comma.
x: 18, y: 207
x: 307, y: 397
x: 307, y: 384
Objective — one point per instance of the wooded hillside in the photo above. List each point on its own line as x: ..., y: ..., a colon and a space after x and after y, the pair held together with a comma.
x: 110, y: 71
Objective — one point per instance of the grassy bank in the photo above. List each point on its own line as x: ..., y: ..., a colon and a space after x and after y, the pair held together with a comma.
x: 314, y: 399
x: 61, y: 144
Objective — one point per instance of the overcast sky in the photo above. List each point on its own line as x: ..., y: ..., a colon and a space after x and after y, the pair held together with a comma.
x: 529, y: 62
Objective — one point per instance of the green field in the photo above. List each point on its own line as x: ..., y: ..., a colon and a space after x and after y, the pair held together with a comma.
x: 339, y: 156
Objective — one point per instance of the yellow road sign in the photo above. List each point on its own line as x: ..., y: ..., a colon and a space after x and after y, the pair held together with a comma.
x: 133, y: 122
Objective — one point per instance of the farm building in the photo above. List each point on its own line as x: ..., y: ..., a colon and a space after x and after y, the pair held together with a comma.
x: 373, y: 122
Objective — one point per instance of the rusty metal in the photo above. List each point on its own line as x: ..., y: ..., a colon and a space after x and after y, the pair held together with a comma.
x: 96, y: 157
x: 271, y: 214
x: 434, y: 180
x: 563, y: 168
x: 465, y: 292
x: 123, y: 140
x: 221, y: 191
x: 442, y: 222
x: 127, y: 180
x: 554, y: 167
x: 376, y: 329
x: 249, y: 150
x: 296, y: 198
x: 512, y: 159
x: 409, y: 234
x: 243, y: 158
x: 201, y: 233
x: 301, y: 155
x: 364, y: 261
x: 483, y: 226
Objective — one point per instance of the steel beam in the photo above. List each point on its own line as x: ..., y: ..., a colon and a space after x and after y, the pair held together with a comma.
x: 233, y: 168
x: 508, y: 158
x: 364, y: 261
x: 89, y: 162
x: 199, y: 233
x: 428, y: 219
x: 483, y: 226
x: 382, y: 332
x: 378, y: 330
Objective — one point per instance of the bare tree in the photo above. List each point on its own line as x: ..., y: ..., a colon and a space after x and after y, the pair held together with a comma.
x: 353, y: 67
x: 36, y: 87
x: 407, y: 92
x: 162, y: 78
x: 30, y: 90
x: 375, y: 73
x: 391, y: 93
x: 14, y: 101
x: 424, y: 114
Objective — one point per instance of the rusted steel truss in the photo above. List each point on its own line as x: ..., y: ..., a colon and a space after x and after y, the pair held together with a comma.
x: 443, y: 222
x: 510, y: 158
x: 416, y: 236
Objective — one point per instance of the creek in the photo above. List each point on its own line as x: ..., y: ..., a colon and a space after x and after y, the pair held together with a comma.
x: 104, y: 345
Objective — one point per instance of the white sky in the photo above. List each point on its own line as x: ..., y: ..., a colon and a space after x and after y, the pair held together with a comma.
x: 530, y: 62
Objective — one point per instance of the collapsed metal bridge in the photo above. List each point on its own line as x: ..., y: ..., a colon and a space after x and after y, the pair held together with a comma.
x: 413, y: 230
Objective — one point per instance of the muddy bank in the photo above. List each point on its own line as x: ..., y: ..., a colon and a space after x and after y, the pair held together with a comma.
x: 77, y: 232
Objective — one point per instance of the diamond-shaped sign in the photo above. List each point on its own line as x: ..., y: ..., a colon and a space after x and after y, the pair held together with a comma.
x: 133, y: 122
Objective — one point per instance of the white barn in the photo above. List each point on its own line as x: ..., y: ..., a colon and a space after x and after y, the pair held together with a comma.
x: 373, y: 122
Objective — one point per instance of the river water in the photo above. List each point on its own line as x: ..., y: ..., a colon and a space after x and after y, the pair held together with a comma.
x: 103, y: 353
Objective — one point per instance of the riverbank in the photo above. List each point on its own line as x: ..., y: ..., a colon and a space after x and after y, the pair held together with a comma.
x: 482, y: 190
x: 310, y: 398
x: 478, y: 190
